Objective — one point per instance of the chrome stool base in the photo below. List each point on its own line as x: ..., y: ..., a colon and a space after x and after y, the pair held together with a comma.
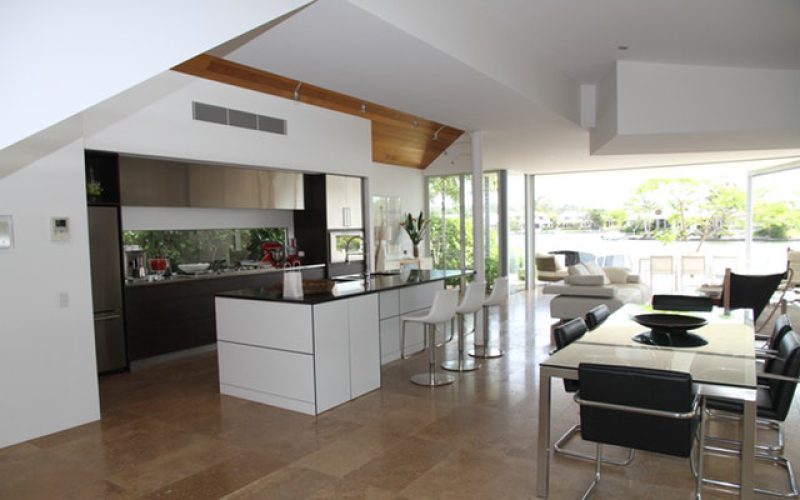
x: 460, y: 365
x: 432, y: 379
x: 482, y: 352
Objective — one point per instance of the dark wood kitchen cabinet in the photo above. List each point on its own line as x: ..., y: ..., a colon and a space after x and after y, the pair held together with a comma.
x: 166, y: 317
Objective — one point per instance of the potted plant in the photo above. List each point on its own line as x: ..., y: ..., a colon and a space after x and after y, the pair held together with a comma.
x: 416, y: 229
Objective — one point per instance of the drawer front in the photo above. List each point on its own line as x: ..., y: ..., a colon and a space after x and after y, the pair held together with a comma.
x: 280, y: 373
x: 265, y: 324
x: 389, y: 303
x: 365, y: 363
x: 414, y: 298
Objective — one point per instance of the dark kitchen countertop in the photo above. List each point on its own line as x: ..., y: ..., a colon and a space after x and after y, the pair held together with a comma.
x: 188, y: 278
x: 346, y: 289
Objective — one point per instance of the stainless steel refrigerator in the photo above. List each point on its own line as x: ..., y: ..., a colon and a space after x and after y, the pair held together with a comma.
x: 106, y: 260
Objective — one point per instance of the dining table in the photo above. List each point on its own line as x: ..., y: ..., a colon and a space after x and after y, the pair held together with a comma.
x: 725, y: 367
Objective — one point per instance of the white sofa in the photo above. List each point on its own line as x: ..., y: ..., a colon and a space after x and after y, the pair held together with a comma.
x: 588, y: 285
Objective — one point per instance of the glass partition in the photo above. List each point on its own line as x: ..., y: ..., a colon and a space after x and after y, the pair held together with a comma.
x: 776, y: 219
x: 451, y: 212
x: 516, y: 230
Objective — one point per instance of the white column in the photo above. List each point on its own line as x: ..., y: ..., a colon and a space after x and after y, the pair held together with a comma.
x: 477, y: 204
x: 477, y: 222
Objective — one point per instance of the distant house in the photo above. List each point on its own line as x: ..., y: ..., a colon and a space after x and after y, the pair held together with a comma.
x: 542, y: 221
x: 574, y: 220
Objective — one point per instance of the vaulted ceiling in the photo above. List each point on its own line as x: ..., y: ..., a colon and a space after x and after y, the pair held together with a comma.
x: 514, y: 68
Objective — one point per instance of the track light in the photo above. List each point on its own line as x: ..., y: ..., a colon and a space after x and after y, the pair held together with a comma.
x: 415, y: 123
x: 363, y: 107
x: 297, y: 91
x: 436, y: 134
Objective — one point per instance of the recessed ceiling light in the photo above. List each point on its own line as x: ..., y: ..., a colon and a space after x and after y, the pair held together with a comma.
x: 622, y: 47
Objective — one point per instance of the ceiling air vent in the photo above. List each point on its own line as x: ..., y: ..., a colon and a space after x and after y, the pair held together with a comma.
x: 236, y: 118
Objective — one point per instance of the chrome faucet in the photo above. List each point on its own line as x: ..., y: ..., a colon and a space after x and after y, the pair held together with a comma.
x: 347, y: 252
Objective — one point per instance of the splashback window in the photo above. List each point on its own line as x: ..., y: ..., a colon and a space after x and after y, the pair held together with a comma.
x: 219, y: 247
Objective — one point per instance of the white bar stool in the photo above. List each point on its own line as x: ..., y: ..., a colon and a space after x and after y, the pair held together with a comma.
x: 442, y: 310
x: 470, y: 304
x: 498, y: 297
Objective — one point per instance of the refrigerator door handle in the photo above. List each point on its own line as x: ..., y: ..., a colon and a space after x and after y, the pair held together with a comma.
x: 107, y: 316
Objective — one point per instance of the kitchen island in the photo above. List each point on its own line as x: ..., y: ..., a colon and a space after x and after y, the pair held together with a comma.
x: 315, y: 353
x: 176, y: 314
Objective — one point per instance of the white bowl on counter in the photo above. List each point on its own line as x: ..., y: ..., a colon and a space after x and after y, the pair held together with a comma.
x: 198, y: 267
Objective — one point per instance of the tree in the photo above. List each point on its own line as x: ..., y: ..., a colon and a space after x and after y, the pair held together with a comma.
x: 696, y: 208
x: 721, y: 209
x: 775, y: 219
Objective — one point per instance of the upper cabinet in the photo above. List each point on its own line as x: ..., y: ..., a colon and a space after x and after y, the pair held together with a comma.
x: 160, y: 183
x: 344, y: 202
x: 153, y: 183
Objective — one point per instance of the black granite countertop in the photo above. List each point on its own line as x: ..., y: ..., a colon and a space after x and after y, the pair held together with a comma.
x: 187, y: 278
x: 347, y: 289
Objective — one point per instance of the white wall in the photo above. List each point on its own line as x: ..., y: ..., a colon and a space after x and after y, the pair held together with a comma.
x: 672, y: 108
x: 48, y: 373
x: 673, y: 98
x: 68, y: 56
x: 317, y: 139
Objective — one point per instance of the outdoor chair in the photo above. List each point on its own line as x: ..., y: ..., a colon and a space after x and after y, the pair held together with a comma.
x: 663, y: 265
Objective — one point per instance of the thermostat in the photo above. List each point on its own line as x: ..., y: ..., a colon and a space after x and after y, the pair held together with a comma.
x: 59, y: 228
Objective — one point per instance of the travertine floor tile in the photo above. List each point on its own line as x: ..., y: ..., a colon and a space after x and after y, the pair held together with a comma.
x: 167, y: 432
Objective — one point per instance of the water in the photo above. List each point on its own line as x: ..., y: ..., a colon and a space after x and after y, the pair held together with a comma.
x: 767, y: 256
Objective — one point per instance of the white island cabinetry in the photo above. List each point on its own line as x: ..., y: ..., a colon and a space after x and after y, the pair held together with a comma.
x: 303, y: 357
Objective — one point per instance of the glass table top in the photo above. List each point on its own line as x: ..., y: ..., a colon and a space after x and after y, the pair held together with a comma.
x: 728, y: 358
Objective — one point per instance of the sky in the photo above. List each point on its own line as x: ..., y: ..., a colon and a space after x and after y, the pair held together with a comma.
x: 610, y: 189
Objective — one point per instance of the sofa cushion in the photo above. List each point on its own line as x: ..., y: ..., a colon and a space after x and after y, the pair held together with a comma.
x: 578, y: 270
x: 616, y: 274
x: 585, y: 280
x: 596, y: 270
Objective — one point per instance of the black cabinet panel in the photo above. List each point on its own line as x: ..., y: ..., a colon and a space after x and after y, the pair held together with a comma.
x: 168, y: 317
x: 102, y: 178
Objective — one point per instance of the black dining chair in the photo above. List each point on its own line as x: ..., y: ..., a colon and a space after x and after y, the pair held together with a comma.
x: 666, y: 302
x: 640, y: 408
x: 565, y: 334
x: 775, y: 394
x: 597, y: 315
x: 749, y: 291
x: 769, y: 352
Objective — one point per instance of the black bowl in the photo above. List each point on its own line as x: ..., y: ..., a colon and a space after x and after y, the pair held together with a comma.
x: 670, y: 323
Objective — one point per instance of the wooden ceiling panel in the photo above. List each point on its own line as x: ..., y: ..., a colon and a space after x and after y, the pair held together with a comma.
x: 398, y: 138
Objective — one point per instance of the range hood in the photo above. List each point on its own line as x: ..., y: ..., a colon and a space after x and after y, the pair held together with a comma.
x: 162, y: 183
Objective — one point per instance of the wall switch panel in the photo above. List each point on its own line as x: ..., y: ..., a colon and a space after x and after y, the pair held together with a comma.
x: 59, y: 228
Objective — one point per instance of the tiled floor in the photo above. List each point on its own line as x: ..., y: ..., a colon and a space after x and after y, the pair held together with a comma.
x: 166, y: 432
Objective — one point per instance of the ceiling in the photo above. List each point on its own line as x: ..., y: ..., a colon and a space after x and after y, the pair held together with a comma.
x: 513, y: 68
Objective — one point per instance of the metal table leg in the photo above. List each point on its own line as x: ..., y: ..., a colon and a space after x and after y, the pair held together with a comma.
x: 748, y: 449
x: 543, y: 444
